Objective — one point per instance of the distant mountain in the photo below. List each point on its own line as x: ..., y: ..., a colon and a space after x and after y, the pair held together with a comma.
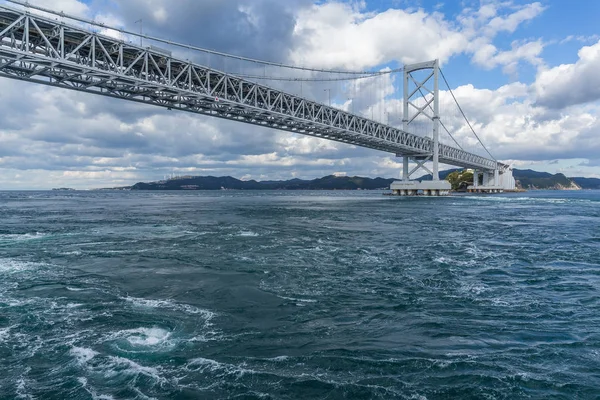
x: 198, y: 183
x: 526, y: 179
x: 531, y: 174
x: 227, y: 182
x: 279, y: 182
x: 529, y: 179
x: 587, y: 183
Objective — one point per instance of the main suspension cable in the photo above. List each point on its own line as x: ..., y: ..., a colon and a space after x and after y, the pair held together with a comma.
x: 465, y: 117
x: 442, y: 123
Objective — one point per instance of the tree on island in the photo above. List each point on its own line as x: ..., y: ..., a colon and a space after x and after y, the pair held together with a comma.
x: 460, y: 179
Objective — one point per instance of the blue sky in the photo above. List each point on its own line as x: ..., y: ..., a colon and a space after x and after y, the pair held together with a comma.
x: 524, y: 71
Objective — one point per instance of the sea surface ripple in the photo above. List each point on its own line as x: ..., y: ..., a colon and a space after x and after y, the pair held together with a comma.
x: 291, y: 295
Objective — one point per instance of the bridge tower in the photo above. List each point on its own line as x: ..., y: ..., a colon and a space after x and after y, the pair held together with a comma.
x: 415, y: 87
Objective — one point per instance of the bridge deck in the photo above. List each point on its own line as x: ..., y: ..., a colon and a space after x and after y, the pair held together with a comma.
x: 38, y: 49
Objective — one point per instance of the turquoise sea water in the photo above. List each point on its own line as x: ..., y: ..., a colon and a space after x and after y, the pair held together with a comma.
x: 285, y: 295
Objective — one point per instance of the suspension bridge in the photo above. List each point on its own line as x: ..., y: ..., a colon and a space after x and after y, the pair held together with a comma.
x: 47, y: 47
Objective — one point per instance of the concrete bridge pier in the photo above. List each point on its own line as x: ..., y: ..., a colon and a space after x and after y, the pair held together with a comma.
x: 496, y: 181
x: 423, y: 188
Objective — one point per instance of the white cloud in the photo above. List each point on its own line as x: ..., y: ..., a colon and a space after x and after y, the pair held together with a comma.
x: 160, y: 15
x: 513, y: 126
x: 73, y: 7
x: 571, y: 84
x: 488, y: 56
x: 581, y: 39
x: 511, y: 22
x: 338, y: 35
x: 342, y: 35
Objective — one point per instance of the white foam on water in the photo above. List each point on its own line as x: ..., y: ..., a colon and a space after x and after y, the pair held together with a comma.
x: 299, y: 300
x: 480, y: 254
x: 259, y: 395
x: 169, y: 304
x: 18, y: 303
x: 21, y: 390
x: 114, y: 366
x: 473, y: 288
x: 59, y: 311
x: 208, y: 365
x: 95, y: 396
x: 120, y: 365
x: 72, y: 289
x: 503, y: 199
x: 496, y: 198
x: 370, y: 259
x: 248, y: 234
x: 441, y: 363
x: 279, y: 359
x: 142, y: 395
x: 211, y: 336
x: 83, y: 354
x: 12, y: 266
x: 469, y: 262
x: 205, y: 363
x: 197, y: 233
x: 94, y: 243
x: 499, y: 302
x: 72, y: 253
x: 70, y: 339
x: 34, y: 344
x: 22, y: 237
x: 117, y: 251
x: 5, y: 333
x: 145, y: 336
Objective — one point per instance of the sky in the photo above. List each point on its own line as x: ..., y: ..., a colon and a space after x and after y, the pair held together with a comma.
x: 525, y: 73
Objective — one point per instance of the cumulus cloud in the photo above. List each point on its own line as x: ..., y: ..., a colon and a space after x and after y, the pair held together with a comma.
x: 571, y: 84
x: 481, y: 26
x: 509, y: 23
x: 333, y: 33
x: 260, y: 29
x: 488, y: 56
x: 516, y: 127
x: 71, y: 7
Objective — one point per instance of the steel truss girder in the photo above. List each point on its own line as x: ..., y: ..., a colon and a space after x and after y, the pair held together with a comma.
x: 41, y: 50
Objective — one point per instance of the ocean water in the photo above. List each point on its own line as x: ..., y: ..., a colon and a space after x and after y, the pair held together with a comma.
x: 299, y: 295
